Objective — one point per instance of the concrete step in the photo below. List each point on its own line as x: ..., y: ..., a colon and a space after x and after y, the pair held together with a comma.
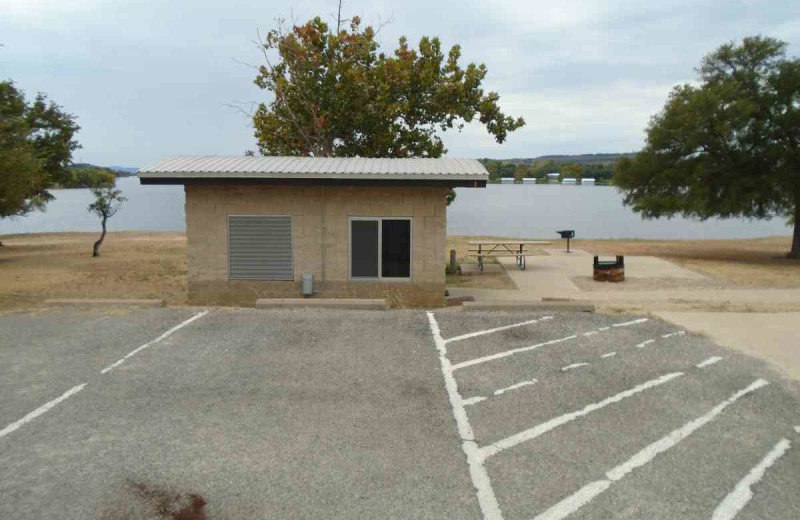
x: 322, y: 303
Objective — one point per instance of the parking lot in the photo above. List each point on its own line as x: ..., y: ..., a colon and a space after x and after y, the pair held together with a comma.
x: 223, y: 414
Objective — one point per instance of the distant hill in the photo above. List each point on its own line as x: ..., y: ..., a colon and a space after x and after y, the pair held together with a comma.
x: 119, y: 171
x: 599, y: 166
x: 129, y: 170
x: 586, y: 158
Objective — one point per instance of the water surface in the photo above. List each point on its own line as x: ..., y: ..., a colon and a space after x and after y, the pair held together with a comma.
x: 504, y: 210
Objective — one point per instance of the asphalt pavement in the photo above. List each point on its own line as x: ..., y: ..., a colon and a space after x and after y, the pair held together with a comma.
x: 223, y: 414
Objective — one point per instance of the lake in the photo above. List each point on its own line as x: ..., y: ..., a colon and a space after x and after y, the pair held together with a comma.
x: 504, y: 210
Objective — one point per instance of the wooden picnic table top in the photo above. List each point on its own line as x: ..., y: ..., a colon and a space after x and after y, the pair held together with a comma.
x: 507, y: 242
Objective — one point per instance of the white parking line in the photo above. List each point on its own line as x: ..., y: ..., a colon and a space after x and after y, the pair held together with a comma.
x: 511, y: 352
x: 507, y: 353
x: 629, y: 323
x: 536, y: 431
x: 573, y: 366
x: 586, y: 494
x: 480, y: 477
x: 797, y: 429
x: 161, y: 337
x: 709, y: 361
x: 610, y: 354
x: 645, y: 343
x: 42, y: 409
x: 473, y: 400
x: 514, y: 387
x: 743, y: 493
x: 496, y: 329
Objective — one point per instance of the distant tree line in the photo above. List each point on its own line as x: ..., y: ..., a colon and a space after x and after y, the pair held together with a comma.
x: 601, y: 171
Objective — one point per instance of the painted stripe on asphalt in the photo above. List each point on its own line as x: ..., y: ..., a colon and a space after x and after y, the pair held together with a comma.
x: 496, y: 329
x: 629, y: 323
x: 709, y: 361
x: 473, y: 400
x: 511, y: 352
x: 480, y: 477
x: 536, y: 431
x: 743, y: 492
x: 42, y: 409
x: 645, y: 343
x: 573, y: 366
x: 586, y: 494
x: 514, y: 387
x: 610, y: 354
x: 151, y: 343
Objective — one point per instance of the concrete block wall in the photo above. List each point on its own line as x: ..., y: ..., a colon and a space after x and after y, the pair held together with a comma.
x: 320, y: 217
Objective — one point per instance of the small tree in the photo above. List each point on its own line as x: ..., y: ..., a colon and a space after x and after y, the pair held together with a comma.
x: 107, y: 201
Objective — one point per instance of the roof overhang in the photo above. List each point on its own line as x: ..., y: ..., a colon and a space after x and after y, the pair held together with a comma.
x: 316, y: 171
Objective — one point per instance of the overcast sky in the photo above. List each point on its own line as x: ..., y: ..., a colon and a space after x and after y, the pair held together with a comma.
x: 149, y: 79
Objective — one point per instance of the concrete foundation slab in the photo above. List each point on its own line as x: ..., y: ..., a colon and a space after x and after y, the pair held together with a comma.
x: 322, y: 303
x: 92, y: 302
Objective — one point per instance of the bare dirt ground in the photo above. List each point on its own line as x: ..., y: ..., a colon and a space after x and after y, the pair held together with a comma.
x: 34, y: 267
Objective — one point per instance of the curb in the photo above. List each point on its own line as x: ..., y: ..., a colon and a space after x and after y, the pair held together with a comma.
x: 322, y: 303
x: 530, y: 305
x: 95, y: 302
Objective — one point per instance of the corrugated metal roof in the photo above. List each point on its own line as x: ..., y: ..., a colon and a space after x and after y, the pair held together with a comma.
x: 237, y: 167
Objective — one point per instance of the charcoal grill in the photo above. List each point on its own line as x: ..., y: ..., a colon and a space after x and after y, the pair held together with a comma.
x: 568, y: 234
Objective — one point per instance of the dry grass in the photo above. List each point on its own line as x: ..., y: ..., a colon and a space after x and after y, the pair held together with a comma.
x: 60, y: 265
x: 493, y: 280
x: 759, y: 262
x: 153, y: 265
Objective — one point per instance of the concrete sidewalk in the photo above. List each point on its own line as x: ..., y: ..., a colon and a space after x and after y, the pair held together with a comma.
x: 551, y: 277
x: 773, y: 337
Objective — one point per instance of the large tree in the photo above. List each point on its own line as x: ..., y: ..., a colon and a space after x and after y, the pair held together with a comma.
x: 336, y: 95
x: 36, y: 145
x: 728, y: 146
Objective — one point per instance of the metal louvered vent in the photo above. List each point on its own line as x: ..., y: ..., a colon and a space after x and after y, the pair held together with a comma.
x: 260, y: 248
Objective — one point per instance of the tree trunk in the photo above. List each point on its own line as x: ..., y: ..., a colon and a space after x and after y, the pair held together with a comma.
x: 795, y: 252
x: 96, y: 250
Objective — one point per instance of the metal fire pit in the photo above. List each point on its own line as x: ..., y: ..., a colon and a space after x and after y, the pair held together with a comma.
x: 609, y: 271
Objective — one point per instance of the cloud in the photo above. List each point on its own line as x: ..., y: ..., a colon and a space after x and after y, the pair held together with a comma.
x: 148, y: 78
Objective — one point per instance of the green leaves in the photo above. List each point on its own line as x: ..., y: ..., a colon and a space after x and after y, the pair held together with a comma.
x: 336, y: 95
x: 107, y: 201
x: 723, y: 148
x: 36, y: 145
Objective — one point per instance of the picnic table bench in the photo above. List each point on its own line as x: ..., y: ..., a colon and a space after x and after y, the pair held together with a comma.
x: 503, y: 248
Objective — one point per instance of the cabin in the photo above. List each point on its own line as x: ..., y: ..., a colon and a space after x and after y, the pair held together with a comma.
x: 553, y: 177
x: 528, y: 180
x: 507, y: 180
x: 569, y: 180
x: 361, y: 228
x: 587, y: 180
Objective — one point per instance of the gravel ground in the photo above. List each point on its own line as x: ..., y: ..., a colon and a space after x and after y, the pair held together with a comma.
x: 307, y: 414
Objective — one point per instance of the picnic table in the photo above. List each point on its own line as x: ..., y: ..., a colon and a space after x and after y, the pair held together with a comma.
x: 503, y: 248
